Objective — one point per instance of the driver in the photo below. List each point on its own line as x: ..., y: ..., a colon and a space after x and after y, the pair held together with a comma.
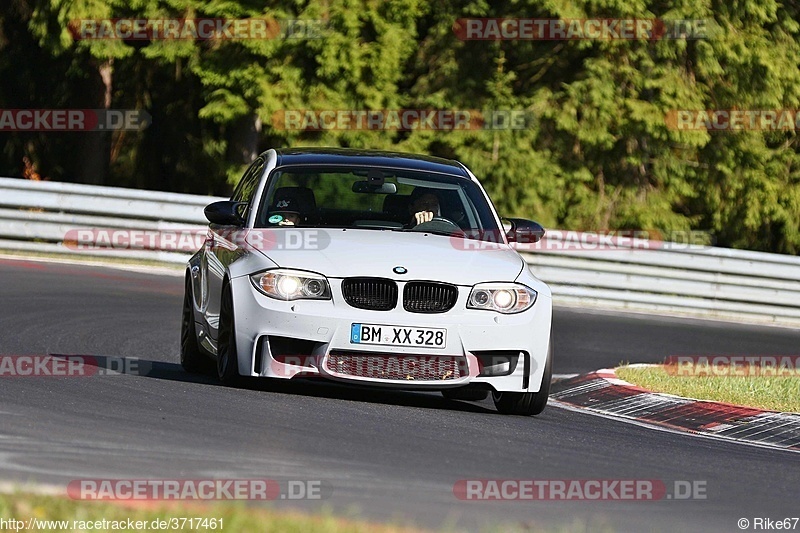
x: 285, y: 212
x: 423, y: 206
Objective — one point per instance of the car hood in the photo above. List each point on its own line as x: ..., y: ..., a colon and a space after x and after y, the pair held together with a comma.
x: 338, y: 253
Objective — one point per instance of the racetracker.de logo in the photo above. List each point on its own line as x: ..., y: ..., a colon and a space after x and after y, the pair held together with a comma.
x: 530, y: 29
x: 733, y: 119
x: 578, y: 489
x: 402, y: 119
x: 584, y: 241
x: 198, y: 489
x: 196, y: 29
x: 73, y: 120
x: 66, y: 366
x: 192, y: 239
x: 404, y: 367
x: 733, y: 365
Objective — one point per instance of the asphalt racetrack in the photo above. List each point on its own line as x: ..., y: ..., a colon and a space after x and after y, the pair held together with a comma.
x: 383, y: 455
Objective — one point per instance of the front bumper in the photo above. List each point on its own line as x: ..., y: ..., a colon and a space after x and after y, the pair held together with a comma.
x: 266, y: 327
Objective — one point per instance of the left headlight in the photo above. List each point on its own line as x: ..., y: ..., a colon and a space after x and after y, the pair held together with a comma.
x: 284, y: 284
x: 505, y: 298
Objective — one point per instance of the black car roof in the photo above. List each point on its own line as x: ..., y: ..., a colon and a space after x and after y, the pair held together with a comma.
x: 378, y: 158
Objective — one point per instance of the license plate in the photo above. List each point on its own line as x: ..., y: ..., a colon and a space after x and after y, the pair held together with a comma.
x: 397, y: 336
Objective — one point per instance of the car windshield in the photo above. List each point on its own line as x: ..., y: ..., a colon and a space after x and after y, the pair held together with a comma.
x: 375, y: 198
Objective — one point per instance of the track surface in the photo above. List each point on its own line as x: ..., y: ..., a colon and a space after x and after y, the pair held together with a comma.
x: 388, y: 455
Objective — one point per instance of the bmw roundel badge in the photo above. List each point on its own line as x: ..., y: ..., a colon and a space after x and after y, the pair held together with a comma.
x: 399, y: 270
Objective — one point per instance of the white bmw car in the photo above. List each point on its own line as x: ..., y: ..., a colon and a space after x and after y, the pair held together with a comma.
x: 372, y: 268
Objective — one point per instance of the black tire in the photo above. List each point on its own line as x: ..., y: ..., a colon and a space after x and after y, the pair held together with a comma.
x: 527, y: 403
x: 469, y: 394
x: 227, y: 357
x: 192, y: 359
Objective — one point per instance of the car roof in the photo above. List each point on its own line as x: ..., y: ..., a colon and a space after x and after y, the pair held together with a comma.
x: 370, y: 158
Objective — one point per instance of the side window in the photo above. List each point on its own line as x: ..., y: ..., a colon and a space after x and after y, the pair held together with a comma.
x: 247, y: 186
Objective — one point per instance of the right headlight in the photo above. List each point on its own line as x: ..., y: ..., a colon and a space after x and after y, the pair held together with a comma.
x: 504, y: 298
x: 285, y: 284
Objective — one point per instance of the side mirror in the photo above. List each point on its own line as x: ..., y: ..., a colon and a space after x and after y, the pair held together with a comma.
x: 524, y: 231
x: 225, y: 213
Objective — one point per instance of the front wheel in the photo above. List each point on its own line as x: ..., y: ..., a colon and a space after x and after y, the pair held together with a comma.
x: 192, y: 359
x: 527, y: 403
x: 227, y: 357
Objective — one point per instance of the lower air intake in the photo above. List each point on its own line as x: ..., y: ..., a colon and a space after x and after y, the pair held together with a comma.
x: 397, y: 367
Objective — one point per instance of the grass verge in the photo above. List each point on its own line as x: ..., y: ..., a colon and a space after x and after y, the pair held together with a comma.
x: 774, y: 393
x: 46, y: 512
x: 56, y: 513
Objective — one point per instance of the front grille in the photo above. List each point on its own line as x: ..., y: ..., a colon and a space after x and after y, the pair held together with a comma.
x: 397, y: 367
x: 375, y: 294
x: 429, y: 297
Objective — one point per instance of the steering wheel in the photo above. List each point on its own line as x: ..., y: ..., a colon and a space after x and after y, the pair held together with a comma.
x: 439, y: 224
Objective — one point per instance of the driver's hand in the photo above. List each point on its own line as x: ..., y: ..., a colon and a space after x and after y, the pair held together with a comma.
x: 285, y: 222
x: 423, y: 216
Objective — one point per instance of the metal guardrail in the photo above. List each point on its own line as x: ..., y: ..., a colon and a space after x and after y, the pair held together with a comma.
x: 698, y: 281
x: 711, y: 282
x: 36, y: 216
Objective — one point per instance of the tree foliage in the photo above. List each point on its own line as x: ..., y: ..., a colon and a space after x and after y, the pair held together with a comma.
x: 598, y: 153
